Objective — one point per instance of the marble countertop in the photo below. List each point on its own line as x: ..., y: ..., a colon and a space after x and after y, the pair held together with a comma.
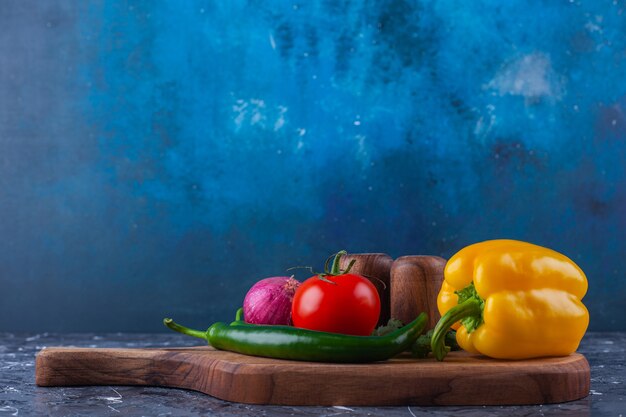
x: 19, y: 396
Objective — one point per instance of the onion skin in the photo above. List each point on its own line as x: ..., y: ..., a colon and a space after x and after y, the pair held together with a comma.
x: 269, y: 301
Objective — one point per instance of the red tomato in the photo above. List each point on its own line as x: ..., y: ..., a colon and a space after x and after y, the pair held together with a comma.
x: 349, y: 305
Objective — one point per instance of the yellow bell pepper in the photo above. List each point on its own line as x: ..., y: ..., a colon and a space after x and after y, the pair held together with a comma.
x: 511, y: 300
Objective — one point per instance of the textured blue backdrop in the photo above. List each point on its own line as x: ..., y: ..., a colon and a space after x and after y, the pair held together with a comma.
x: 157, y: 158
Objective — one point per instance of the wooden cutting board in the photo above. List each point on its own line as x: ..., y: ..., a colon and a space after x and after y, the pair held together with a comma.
x: 463, y: 379
x: 407, y: 286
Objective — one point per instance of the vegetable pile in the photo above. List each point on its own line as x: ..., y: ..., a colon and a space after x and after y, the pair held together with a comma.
x: 334, y: 315
x: 504, y: 299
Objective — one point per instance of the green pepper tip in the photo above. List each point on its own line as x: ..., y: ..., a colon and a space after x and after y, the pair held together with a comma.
x: 184, y: 330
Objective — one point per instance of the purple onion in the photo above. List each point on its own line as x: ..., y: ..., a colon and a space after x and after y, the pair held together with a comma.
x: 269, y: 301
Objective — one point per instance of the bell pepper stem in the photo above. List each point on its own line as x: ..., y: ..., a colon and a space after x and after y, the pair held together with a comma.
x: 184, y: 330
x: 468, y: 308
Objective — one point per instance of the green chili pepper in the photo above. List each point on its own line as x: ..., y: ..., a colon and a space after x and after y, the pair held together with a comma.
x: 287, y: 342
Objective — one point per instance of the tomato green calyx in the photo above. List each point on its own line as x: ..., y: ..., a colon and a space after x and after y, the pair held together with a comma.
x: 335, y: 269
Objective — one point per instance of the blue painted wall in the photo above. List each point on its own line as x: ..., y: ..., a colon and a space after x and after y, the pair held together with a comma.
x: 157, y: 158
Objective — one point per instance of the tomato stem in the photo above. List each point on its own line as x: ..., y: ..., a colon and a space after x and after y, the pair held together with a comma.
x: 334, y: 270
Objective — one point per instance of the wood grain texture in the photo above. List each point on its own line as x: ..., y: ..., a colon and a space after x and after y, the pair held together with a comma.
x: 463, y: 379
x: 377, y: 268
x: 415, y: 283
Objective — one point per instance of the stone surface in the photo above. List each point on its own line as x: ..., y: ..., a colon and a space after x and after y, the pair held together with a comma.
x: 606, y: 353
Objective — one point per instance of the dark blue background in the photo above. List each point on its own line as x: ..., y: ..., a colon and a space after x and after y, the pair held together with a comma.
x: 157, y: 158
